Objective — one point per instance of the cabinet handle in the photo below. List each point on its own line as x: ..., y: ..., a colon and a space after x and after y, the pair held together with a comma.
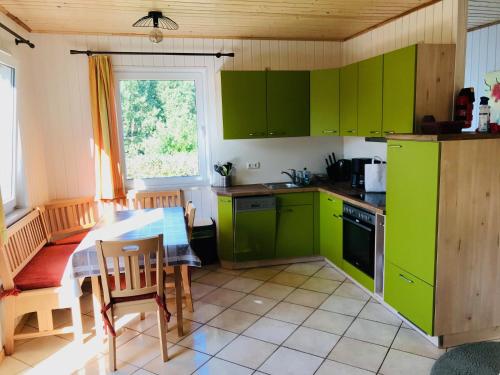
x: 350, y: 131
x: 329, y: 131
x: 337, y: 216
x: 395, y: 146
x: 389, y: 132
x: 271, y: 133
x: 375, y: 132
x: 406, y: 279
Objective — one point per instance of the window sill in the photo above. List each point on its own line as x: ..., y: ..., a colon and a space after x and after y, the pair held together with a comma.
x: 16, y: 215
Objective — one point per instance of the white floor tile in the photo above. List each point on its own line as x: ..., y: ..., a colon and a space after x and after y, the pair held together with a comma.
x: 398, y: 362
x: 342, y: 305
x: 247, y: 352
x: 312, y: 341
x: 358, y: 354
x: 233, y: 320
x: 181, y: 361
x: 335, y: 368
x: 374, y: 332
x: 270, y: 330
x: 378, y: 313
x: 408, y: 340
x: 291, y: 362
x: 329, y: 322
x: 208, y: 339
x: 255, y: 304
x: 217, y: 366
x: 243, y: 284
x: 290, y: 312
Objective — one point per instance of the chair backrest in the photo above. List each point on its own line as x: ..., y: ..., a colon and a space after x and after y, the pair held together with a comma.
x: 134, y: 259
x: 118, y: 204
x: 70, y: 215
x: 190, y: 214
x: 25, y: 239
x: 158, y: 199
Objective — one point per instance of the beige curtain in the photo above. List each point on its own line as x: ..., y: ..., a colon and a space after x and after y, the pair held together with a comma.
x: 3, y: 229
x: 109, y: 178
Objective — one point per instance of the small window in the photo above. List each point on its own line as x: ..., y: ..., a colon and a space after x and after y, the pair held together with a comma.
x: 8, y: 137
x: 162, y: 133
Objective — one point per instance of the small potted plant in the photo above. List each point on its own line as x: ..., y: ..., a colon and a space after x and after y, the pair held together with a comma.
x: 224, y: 171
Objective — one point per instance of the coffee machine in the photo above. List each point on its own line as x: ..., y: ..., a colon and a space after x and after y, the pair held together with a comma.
x: 358, y: 172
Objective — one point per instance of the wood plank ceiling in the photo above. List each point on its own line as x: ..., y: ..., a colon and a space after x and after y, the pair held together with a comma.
x: 483, y: 12
x: 260, y: 19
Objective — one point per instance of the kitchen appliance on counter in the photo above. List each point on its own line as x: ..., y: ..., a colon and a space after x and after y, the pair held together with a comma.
x: 254, y: 228
x: 358, y: 171
x: 338, y: 170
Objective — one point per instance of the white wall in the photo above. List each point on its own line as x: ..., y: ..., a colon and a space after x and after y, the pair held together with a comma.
x: 64, y: 111
x: 483, y: 56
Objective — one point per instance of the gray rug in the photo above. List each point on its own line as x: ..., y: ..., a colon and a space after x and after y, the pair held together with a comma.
x: 472, y: 359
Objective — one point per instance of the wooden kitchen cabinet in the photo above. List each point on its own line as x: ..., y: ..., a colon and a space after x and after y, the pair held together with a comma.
x: 441, y: 253
x: 370, y: 90
x: 330, y: 231
x: 244, y: 104
x: 325, y: 119
x: 349, y: 100
x: 288, y: 104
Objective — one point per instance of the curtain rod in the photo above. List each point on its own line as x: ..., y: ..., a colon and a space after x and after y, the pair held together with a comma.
x: 90, y: 53
x: 19, y: 39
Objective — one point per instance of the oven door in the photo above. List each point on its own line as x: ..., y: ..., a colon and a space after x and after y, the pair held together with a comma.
x: 359, y: 244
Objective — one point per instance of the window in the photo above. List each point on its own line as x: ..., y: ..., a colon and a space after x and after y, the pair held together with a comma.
x: 8, y: 137
x: 162, y: 130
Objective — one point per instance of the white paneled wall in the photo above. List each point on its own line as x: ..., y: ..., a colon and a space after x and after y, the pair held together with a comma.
x: 64, y: 114
x: 483, y: 56
x: 433, y: 24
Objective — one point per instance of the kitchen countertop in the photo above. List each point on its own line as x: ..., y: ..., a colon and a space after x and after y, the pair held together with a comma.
x: 464, y: 136
x: 342, y: 190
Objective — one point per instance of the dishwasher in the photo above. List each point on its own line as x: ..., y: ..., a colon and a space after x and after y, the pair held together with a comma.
x: 254, y: 228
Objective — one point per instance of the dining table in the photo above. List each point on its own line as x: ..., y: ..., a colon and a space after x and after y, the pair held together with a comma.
x: 131, y: 225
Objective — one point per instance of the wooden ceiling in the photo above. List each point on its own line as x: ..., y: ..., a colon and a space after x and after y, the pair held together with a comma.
x: 483, y: 12
x: 260, y: 19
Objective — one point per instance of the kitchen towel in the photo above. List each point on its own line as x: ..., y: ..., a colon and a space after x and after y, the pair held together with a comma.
x: 375, y: 176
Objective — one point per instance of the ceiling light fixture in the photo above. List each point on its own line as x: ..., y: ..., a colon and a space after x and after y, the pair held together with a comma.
x: 157, y: 21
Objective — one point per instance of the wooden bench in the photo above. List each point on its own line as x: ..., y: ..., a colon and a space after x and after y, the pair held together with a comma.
x: 27, y: 287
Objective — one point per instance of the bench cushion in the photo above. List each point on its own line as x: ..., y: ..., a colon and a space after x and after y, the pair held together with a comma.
x: 46, y: 269
x: 73, y: 239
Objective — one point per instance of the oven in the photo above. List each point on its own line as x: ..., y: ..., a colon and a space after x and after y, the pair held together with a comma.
x: 359, y: 238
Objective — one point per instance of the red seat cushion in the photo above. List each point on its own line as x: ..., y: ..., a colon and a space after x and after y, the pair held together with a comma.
x: 123, y: 284
x: 46, y: 269
x: 73, y: 239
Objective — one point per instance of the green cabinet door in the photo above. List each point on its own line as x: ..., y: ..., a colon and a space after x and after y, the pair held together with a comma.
x: 370, y: 76
x: 330, y: 231
x: 288, y: 104
x: 349, y: 100
x: 225, y: 228
x: 399, y: 90
x: 295, y: 231
x: 412, y: 200
x: 325, y: 102
x: 410, y: 296
x: 244, y: 104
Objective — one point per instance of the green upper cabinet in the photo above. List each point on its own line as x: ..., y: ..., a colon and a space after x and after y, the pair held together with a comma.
x: 330, y: 228
x: 412, y: 200
x: 370, y: 77
x: 288, y: 104
x: 325, y: 102
x: 349, y: 100
x: 399, y: 90
x: 244, y: 104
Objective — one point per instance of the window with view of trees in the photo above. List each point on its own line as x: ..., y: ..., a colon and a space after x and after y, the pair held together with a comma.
x: 160, y: 128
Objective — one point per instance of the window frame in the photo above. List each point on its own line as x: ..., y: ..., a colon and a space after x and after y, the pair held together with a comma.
x: 199, y: 76
x: 13, y: 204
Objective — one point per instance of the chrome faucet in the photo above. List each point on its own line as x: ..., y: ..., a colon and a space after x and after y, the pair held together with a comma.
x: 293, y: 175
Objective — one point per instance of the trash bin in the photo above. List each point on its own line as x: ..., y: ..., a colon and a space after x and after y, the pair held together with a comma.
x: 204, y: 241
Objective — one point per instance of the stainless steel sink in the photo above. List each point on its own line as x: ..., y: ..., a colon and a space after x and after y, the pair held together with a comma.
x: 281, y: 185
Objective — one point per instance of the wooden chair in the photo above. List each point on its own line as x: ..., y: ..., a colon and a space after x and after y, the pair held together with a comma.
x: 140, y: 289
x: 18, y: 261
x: 159, y: 199
x: 69, y: 216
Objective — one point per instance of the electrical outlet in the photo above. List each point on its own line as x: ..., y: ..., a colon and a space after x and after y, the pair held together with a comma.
x: 254, y: 165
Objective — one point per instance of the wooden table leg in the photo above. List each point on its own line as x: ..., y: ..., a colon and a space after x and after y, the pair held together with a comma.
x: 97, y: 303
x: 178, y: 300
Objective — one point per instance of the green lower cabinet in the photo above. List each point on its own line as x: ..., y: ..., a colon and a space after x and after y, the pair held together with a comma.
x: 410, y: 296
x: 225, y: 228
x: 330, y: 232
x: 295, y: 231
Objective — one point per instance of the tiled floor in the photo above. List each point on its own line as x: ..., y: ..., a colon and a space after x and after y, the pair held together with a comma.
x: 301, y: 319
